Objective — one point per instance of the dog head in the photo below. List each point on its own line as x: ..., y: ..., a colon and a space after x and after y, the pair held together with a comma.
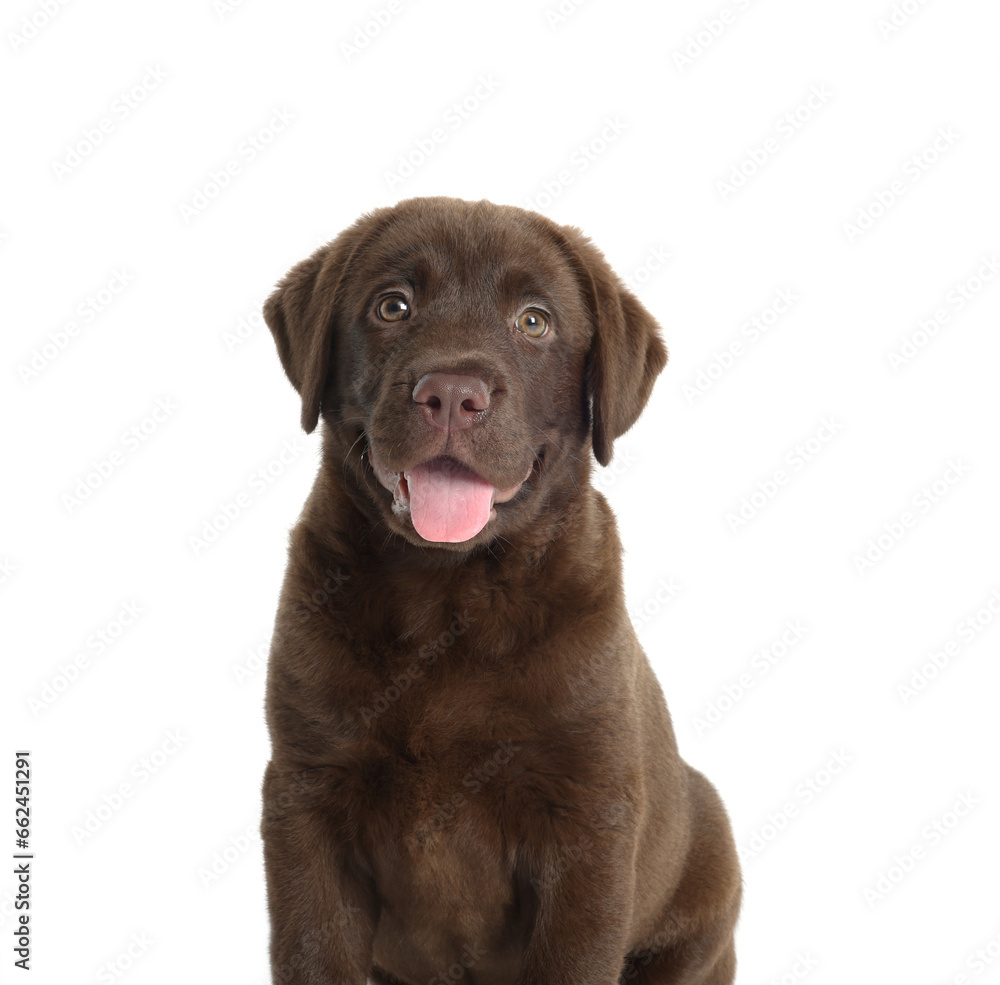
x: 463, y: 356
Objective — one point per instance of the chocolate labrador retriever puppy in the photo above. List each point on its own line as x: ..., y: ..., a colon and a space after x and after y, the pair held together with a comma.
x: 474, y: 775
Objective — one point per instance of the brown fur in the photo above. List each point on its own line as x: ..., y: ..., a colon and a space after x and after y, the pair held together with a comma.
x: 474, y: 775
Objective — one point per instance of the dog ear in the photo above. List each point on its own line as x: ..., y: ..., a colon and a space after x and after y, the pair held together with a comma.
x: 626, y: 354
x: 301, y: 312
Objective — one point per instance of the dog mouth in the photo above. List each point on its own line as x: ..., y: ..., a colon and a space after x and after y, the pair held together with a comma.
x: 447, y: 501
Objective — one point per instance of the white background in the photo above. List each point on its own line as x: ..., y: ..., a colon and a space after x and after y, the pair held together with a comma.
x: 834, y: 777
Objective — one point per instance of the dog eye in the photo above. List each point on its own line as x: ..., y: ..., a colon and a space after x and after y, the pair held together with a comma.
x: 532, y: 323
x: 393, y: 308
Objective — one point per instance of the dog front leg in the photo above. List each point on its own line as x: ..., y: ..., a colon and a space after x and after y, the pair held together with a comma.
x: 584, y: 896
x: 323, y: 915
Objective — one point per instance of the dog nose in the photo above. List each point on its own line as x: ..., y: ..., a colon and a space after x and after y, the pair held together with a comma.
x: 452, y: 402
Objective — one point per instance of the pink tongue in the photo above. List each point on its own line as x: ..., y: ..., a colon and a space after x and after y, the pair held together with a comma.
x: 448, y: 502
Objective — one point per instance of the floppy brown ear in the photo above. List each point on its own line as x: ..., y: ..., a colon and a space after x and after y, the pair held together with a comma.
x: 626, y: 355
x: 301, y: 313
